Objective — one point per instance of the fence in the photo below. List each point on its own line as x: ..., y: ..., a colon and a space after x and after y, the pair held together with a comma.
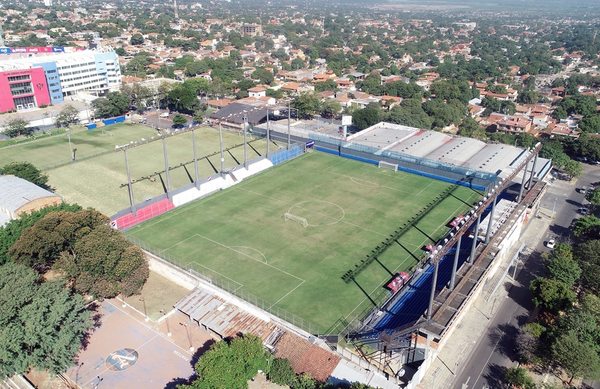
x: 231, y: 286
x: 281, y: 156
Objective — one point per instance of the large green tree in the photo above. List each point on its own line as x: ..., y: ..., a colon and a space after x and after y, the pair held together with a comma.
x: 16, y: 127
x: 96, y: 259
x: 577, y: 358
x: 588, y: 256
x: 26, y: 171
x: 229, y: 365
x: 68, y: 115
x: 307, y: 104
x: 366, y: 117
x: 11, y: 232
x: 42, y: 324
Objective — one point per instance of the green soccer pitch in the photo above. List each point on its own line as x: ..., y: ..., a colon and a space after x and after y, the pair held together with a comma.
x: 94, y: 178
x: 240, y: 238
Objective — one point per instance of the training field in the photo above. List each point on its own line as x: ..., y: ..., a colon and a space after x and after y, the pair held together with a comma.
x: 239, y: 236
x: 94, y: 179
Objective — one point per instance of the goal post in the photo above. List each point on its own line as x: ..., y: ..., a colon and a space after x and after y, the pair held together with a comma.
x: 295, y: 218
x: 388, y: 166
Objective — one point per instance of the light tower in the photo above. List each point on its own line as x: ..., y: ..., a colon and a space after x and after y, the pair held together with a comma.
x: 1, y: 37
x: 176, y: 11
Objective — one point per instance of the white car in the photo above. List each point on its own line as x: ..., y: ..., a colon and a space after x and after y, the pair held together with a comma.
x: 551, y: 243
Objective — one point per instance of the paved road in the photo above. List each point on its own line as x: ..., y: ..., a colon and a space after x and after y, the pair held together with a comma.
x: 495, y: 352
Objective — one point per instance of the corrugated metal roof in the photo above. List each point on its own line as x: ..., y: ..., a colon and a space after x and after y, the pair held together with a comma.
x: 16, y: 192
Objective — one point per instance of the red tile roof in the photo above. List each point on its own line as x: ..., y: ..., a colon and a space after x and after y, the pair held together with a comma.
x: 306, y: 357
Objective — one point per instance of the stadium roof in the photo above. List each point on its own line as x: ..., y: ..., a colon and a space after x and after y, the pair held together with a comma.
x: 470, y: 153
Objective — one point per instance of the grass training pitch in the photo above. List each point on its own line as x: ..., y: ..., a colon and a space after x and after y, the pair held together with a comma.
x: 94, y: 178
x: 240, y: 238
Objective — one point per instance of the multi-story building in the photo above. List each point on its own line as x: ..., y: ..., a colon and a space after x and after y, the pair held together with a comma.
x: 251, y: 29
x: 23, y: 89
x: 66, y: 73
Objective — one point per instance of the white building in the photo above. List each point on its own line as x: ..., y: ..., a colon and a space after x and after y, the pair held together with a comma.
x: 93, y: 71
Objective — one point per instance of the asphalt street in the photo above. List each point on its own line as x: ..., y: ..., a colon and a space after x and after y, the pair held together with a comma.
x: 494, y: 351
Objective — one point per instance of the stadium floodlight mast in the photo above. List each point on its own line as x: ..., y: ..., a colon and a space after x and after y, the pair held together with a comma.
x: 268, y: 133
x: 166, y: 159
x: 196, y: 173
x: 245, y: 141
x: 124, y: 149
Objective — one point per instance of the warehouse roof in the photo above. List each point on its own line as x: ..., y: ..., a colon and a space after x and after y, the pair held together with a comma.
x: 16, y: 193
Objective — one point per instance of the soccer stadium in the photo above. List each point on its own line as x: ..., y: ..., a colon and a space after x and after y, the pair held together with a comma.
x: 288, y: 235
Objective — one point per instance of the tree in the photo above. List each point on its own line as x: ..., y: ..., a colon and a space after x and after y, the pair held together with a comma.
x: 594, y: 196
x: 68, y: 115
x: 26, y: 171
x: 562, y: 267
x: 41, y: 245
x: 328, y: 85
x: 578, y: 359
x: 281, y: 372
x: 179, y: 120
x: 590, y: 124
x: 330, y: 109
x: 95, y: 258
x: 229, y: 365
x: 136, y: 39
x: 588, y: 255
x: 139, y: 96
x: 551, y: 294
x: 104, y: 263
x: 573, y: 168
x: 307, y: 104
x: 410, y: 113
x: 470, y: 128
x: 587, y: 227
x: 183, y: 98
x: 114, y: 104
x: 42, y: 324
x: 366, y: 117
x: 14, y: 228
x: 16, y: 127
x: 518, y: 377
x: 263, y: 76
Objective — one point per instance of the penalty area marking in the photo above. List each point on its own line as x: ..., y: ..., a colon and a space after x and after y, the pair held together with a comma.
x: 264, y: 257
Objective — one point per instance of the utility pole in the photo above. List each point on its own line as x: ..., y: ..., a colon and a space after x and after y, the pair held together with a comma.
x: 268, y: 133
x: 129, y: 184
x: 289, y: 119
x: 166, y: 158
x: 196, y: 174
x: 245, y: 142
x: 221, y: 147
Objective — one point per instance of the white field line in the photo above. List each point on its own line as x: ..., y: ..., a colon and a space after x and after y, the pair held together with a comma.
x: 285, y: 295
x: 190, y: 262
x: 249, y: 256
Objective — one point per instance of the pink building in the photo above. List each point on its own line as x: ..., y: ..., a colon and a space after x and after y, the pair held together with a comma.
x: 23, y: 89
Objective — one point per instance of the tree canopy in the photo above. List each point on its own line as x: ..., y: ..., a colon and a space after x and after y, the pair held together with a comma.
x: 41, y: 323
x: 26, y: 171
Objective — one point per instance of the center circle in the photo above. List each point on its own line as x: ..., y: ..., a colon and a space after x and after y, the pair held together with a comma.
x: 318, y: 212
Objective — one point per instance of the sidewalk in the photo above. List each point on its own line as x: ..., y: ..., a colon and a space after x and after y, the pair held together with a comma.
x: 458, y: 349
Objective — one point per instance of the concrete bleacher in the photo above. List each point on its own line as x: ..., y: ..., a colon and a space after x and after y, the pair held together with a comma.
x: 422, y: 144
x: 383, y: 135
x: 458, y: 151
x: 220, y: 317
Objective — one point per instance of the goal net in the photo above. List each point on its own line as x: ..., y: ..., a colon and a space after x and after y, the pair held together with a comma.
x: 389, y: 166
x: 295, y: 218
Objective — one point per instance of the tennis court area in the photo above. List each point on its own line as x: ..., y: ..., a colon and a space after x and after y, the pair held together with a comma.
x: 94, y: 179
x: 240, y: 238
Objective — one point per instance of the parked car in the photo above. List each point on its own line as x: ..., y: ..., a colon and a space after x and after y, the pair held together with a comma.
x: 584, y: 211
x: 551, y: 243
